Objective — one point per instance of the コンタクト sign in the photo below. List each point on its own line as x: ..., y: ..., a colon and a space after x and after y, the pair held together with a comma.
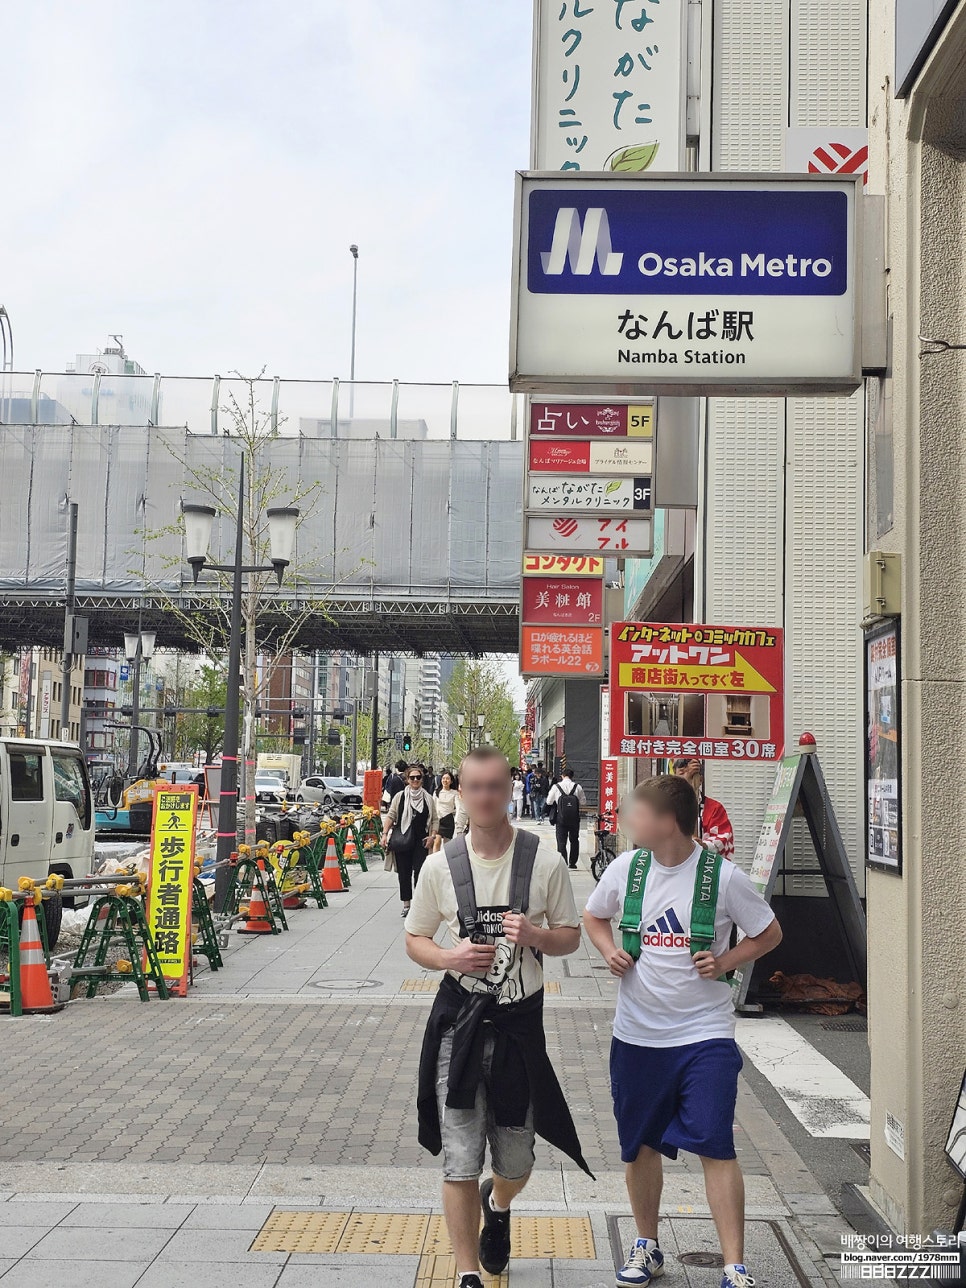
x: 709, y: 284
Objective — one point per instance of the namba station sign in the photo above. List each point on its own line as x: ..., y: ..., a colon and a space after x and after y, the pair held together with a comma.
x: 678, y: 284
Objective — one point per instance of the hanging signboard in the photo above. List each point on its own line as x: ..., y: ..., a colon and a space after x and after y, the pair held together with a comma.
x: 592, y: 420
x: 609, y: 797
x: 705, y: 284
x: 562, y: 600
x: 171, y: 880
x: 590, y: 457
x: 883, y: 749
x: 561, y: 650
x: 571, y: 492
x: 616, y: 536
x: 562, y: 565
x: 714, y: 692
x: 609, y: 85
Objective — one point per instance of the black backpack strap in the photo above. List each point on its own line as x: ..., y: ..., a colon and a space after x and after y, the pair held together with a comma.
x: 458, y: 858
x: 521, y: 869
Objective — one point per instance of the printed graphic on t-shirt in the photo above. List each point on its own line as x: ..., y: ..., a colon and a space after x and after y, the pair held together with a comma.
x: 503, y: 977
x: 666, y: 932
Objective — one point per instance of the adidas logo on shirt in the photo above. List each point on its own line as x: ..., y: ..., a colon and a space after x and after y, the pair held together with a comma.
x: 666, y: 932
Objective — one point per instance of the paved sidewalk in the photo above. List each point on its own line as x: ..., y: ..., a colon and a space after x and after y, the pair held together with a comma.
x: 286, y: 1081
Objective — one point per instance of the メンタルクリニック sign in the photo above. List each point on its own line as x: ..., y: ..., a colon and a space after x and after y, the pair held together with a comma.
x: 709, y: 284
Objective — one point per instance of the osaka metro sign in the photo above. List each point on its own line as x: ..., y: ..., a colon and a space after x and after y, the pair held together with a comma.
x: 680, y: 284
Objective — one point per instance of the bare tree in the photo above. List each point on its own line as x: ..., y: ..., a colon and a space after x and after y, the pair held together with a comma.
x: 272, y: 619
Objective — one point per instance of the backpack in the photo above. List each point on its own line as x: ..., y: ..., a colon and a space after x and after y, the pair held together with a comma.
x: 568, y: 807
x: 521, y: 871
x: 704, y: 905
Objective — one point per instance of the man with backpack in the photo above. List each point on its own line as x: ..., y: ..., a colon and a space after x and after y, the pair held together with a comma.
x: 539, y: 789
x: 484, y: 1073
x: 565, y: 802
x: 674, y: 1063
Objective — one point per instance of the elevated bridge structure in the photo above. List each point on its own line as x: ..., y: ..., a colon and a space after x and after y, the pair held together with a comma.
x: 409, y: 543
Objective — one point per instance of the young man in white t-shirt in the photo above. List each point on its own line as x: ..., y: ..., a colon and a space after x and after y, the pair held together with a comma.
x: 674, y: 1060
x: 484, y: 1075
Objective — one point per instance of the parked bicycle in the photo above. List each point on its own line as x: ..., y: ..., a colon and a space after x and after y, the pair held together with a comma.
x: 605, y: 851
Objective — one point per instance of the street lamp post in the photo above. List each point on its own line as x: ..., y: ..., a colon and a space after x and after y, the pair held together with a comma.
x: 138, y: 648
x: 354, y: 252
x: 197, y: 525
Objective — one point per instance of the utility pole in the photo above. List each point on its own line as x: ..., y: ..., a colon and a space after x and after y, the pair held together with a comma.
x: 70, y: 635
x: 354, y: 252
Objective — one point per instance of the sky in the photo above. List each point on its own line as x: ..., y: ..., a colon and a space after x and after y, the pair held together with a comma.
x: 190, y: 175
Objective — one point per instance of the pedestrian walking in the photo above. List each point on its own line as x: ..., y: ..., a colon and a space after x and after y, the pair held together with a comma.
x: 394, y: 782
x: 484, y: 1073
x: 674, y: 1063
x: 409, y: 831
x: 516, y: 799
x: 447, y: 801
x: 430, y: 781
x: 568, y: 799
x: 714, y: 825
x: 539, y: 790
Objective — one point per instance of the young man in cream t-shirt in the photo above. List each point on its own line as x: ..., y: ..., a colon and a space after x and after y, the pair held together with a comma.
x: 484, y: 1073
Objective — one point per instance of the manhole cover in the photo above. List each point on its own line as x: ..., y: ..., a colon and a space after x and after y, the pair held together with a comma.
x: 345, y: 985
x: 846, y: 1026
x: 714, y: 1260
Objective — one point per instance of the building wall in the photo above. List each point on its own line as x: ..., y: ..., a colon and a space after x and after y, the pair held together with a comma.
x: 786, y: 550
x: 917, y: 922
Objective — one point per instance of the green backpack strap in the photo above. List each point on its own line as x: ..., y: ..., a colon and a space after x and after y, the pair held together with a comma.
x: 630, y: 923
x: 704, y: 905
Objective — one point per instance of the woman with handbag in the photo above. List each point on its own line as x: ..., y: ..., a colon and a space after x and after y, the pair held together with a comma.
x: 410, y: 828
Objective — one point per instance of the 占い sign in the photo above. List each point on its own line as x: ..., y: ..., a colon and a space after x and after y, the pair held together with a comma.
x: 592, y: 420
x: 708, y: 284
x: 713, y: 692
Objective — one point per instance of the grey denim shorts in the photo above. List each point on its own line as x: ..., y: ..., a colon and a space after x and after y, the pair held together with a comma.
x: 466, y: 1131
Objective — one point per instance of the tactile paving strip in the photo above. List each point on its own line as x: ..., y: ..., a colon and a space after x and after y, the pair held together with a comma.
x: 413, y: 1233
x: 301, y: 1232
x: 431, y: 986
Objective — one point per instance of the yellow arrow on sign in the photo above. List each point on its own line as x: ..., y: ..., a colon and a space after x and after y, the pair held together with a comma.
x: 707, y: 679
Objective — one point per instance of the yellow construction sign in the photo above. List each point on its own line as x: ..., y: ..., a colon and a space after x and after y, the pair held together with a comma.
x: 171, y: 879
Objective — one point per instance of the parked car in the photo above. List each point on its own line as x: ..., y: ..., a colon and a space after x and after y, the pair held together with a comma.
x: 332, y: 793
x: 269, y: 789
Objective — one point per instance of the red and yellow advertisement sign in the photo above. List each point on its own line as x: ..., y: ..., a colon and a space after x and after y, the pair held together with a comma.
x: 561, y: 650
x: 692, y: 689
x: 562, y: 566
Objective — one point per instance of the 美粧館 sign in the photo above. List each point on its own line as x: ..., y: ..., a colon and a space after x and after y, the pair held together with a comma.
x: 711, y: 284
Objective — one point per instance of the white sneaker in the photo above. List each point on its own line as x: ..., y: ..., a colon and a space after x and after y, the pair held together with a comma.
x: 643, y: 1265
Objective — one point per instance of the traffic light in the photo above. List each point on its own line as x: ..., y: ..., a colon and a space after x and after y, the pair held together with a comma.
x: 407, y: 742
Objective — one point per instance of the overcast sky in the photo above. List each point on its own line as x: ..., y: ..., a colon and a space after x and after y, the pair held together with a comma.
x: 191, y: 174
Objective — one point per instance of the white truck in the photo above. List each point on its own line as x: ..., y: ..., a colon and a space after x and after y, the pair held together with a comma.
x: 287, y: 767
x: 46, y: 816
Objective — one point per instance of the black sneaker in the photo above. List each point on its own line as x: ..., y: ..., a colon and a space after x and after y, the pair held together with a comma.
x: 495, y: 1235
x: 470, y: 1281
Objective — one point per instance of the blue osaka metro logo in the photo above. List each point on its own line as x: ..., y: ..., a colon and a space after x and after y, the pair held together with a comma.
x: 688, y: 241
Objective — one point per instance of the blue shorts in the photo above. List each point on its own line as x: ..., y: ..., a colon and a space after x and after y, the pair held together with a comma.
x: 672, y: 1098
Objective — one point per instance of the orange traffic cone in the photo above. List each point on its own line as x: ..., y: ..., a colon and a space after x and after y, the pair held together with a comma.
x: 332, y: 881
x: 257, y: 922
x: 349, y: 852
x: 34, y: 983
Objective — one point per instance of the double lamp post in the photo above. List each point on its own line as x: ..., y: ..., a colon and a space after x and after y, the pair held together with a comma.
x: 198, y: 520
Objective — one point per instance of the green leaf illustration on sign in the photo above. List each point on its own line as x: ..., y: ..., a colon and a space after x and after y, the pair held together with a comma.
x: 612, y: 486
x: 632, y: 159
